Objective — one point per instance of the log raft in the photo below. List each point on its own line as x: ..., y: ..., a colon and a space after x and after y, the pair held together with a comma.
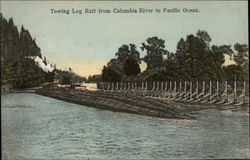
x: 218, y: 93
x: 158, y: 99
x: 118, y: 102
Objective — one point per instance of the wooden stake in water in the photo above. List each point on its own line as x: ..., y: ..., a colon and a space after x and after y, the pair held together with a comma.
x: 235, y: 90
x: 170, y: 86
x: 180, y: 87
x: 185, y: 86
x: 108, y: 86
x: 166, y: 86
x: 157, y: 88
x: 210, y: 90
x: 217, y: 89
x: 153, y: 86
x: 128, y: 85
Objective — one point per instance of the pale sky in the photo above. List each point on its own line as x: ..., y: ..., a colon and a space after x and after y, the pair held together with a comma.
x: 86, y: 42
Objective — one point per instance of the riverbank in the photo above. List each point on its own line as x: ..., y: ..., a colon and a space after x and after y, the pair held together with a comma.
x: 14, y: 90
x: 117, y: 102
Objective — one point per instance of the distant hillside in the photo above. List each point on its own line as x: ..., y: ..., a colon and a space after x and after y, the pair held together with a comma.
x: 22, y: 64
x: 18, y: 68
x: 15, y: 45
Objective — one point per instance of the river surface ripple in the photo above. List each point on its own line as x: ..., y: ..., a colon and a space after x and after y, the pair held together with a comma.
x: 38, y: 127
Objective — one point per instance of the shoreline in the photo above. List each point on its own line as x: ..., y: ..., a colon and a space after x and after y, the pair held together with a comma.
x: 25, y: 90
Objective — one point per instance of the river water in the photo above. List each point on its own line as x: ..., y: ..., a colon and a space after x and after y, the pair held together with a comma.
x: 38, y: 127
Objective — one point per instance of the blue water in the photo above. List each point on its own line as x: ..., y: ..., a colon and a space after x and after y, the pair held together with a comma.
x: 38, y: 127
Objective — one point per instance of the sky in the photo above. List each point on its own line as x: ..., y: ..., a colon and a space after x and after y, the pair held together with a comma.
x: 86, y: 42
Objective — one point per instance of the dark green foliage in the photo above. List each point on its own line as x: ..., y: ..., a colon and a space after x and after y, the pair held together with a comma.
x: 235, y: 72
x: 116, y: 65
x: 155, y: 52
x: 17, y: 70
x: 168, y: 72
x: 94, y: 78
x: 204, y: 36
x: 126, y: 64
x: 241, y: 57
x: 28, y: 46
x: 194, y: 59
x: 197, y: 61
x: 226, y: 49
x: 108, y: 75
x: 49, y: 77
x: 241, y: 69
x: 131, y: 67
x: 15, y: 45
x: 128, y: 52
x: 22, y: 74
x: 66, y: 80
x: 68, y: 77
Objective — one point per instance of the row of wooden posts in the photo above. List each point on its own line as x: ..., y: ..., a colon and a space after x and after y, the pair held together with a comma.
x: 211, y: 92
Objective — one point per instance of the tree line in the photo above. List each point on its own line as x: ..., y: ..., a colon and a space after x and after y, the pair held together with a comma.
x: 17, y: 70
x: 194, y: 59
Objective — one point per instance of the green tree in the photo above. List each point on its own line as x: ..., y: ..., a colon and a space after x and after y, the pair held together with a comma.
x: 241, y: 57
x: 108, y: 75
x: 94, y: 78
x: 196, y: 61
x: 116, y: 66
x: 224, y: 49
x: 233, y: 72
x: 127, y: 52
x: 131, y: 67
x: 17, y: 70
x: 49, y: 77
x: 191, y: 59
x: 204, y: 36
x: 66, y: 80
x: 169, y: 72
x: 155, y: 52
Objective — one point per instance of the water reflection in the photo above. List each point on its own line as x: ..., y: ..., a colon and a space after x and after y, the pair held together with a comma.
x: 37, y: 127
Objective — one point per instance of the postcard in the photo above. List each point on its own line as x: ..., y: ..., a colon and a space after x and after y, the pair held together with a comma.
x: 124, y: 80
